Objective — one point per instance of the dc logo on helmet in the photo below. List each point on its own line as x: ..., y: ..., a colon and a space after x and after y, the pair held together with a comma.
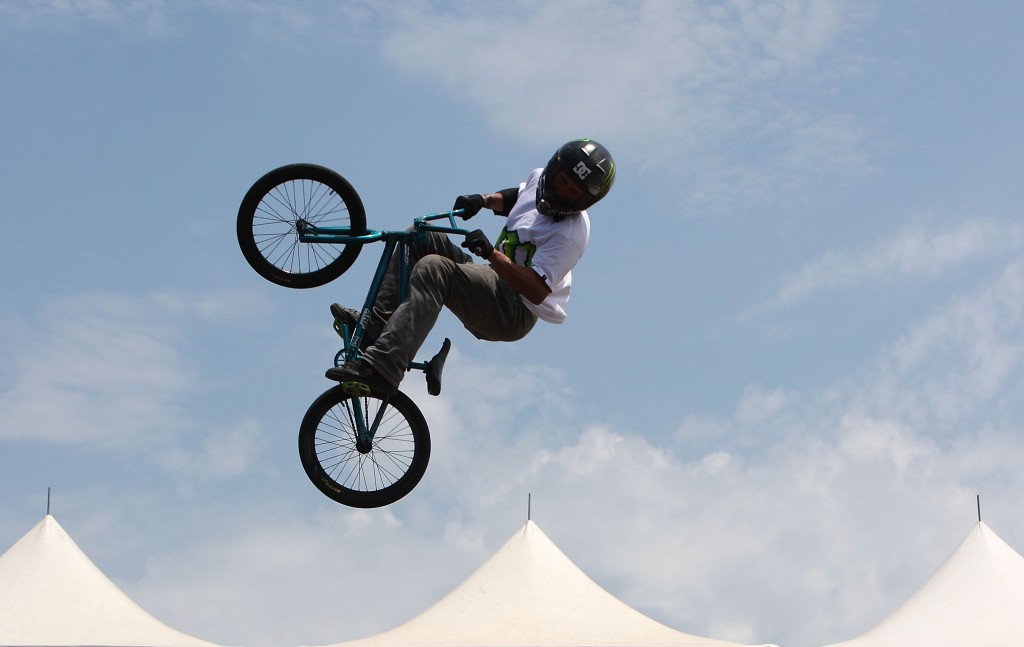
x: 581, y: 170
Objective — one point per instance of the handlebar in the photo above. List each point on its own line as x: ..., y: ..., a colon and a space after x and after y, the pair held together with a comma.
x: 422, y: 222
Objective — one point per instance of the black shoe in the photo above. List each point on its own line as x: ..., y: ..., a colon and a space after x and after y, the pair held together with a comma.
x: 359, y: 378
x: 350, y: 317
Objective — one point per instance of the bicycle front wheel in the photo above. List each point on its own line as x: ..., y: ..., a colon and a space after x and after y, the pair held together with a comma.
x: 364, y: 476
x: 268, y: 220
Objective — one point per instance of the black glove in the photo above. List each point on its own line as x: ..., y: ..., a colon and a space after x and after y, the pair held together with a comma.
x: 470, y: 205
x: 477, y: 243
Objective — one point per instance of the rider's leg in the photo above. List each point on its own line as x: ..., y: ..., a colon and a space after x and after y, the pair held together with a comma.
x: 485, y: 303
x: 504, y: 317
x: 388, y: 297
x: 435, y: 243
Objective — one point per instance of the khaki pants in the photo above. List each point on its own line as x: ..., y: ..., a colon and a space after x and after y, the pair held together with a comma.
x: 441, y: 275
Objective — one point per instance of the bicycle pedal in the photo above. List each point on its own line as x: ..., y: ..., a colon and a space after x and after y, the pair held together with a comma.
x: 356, y: 389
x: 435, y: 366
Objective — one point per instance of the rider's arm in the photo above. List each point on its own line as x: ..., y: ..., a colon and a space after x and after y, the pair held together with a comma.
x: 522, y: 279
x: 501, y: 203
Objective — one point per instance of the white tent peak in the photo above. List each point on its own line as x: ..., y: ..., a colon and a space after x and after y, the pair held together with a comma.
x: 976, y: 597
x: 52, y: 594
x: 529, y: 594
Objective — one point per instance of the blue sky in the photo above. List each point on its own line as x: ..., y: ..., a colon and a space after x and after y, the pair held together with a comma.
x: 794, y: 348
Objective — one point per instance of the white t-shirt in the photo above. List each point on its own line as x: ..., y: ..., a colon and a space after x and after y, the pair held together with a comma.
x: 550, y: 248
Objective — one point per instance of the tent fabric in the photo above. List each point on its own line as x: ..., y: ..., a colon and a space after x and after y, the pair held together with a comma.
x: 52, y: 594
x: 529, y: 594
x: 975, y: 598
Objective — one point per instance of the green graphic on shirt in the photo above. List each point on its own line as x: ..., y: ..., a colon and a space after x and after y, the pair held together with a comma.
x: 508, y: 243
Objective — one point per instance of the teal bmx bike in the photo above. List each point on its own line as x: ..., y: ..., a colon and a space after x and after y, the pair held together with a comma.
x: 302, y: 226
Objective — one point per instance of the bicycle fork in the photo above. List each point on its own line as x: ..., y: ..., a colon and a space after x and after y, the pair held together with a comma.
x: 366, y: 430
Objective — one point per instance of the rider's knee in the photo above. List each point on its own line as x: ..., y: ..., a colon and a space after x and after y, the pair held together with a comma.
x: 433, y: 267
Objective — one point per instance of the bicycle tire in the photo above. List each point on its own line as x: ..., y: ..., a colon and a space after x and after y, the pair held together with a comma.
x: 268, y: 217
x: 388, y: 471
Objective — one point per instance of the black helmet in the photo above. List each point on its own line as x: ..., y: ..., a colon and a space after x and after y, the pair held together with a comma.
x: 586, y: 164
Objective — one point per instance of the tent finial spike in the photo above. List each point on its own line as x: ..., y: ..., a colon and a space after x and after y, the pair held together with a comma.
x: 529, y: 505
x: 48, y: 501
x: 979, y: 508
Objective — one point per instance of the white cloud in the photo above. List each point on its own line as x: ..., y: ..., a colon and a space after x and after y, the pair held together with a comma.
x: 106, y: 368
x: 758, y: 404
x: 684, y: 90
x: 717, y: 546
x: 864, y: 439
x: 914, y: 252
x: 851, y: 501
x: 686, y: 83
x: 149, y: 15
x: 959, y: 366
x: 900, y: 447
x: 220, y: 306
x: 222, y: 454
x: 94, y: 368
x: 274, y: 19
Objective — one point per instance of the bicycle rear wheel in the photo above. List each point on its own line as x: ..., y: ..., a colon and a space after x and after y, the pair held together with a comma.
x: 364, y: 477
x: 269, y: 215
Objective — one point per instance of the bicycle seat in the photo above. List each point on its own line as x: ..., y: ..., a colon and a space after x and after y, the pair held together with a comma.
x: 435, y: 366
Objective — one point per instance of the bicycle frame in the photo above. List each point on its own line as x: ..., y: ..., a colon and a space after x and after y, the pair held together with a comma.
x: 394, y: 240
